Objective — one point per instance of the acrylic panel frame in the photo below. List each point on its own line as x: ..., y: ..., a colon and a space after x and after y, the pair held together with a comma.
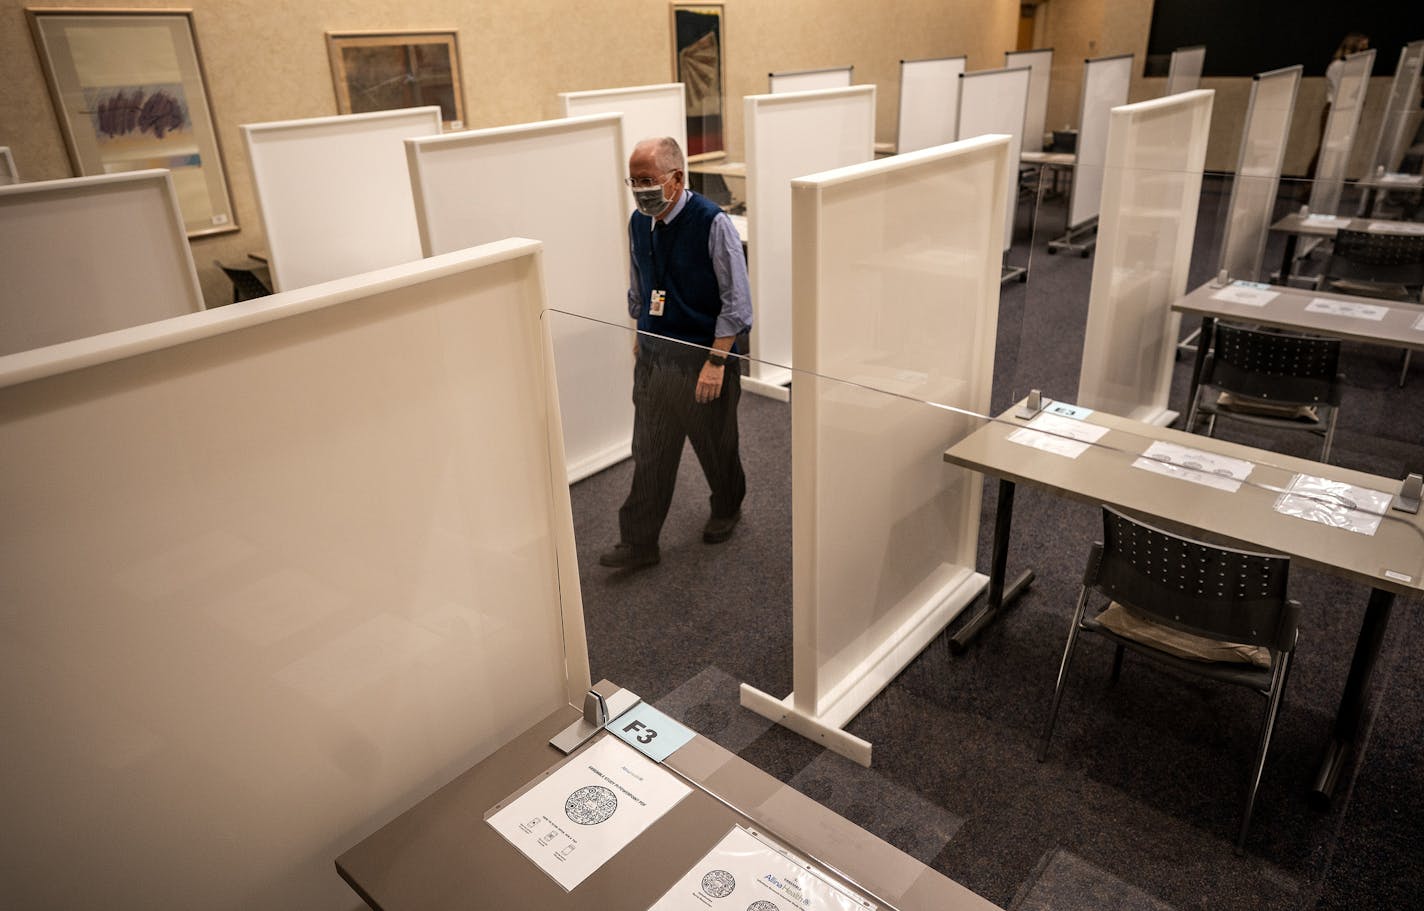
x: 929, y: 103
x: 315, y: 600
x: 1151, y: 191
x: 830, y: 77
x: 1251, y: 207
x: 1400, y: 112
x: 1184, y: 71
x: 791, y: 135
x: 448, y: 83
x: 475, y: 186
x: 1341, y: 127
x: 122, y: 59
x: 1040, y: 63
x: 897, y: 293
x: 647, y: 110
x: 996, y: 101
x: 1105, y: 85
x: 334, y: 193
x: 700, y: 72
x: 83, y: 256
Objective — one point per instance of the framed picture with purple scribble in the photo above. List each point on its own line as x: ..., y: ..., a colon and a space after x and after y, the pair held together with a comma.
x: 129, y: 93
x: 387, y: 71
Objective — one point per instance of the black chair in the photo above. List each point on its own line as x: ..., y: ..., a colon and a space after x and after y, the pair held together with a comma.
x: 1373, y: 264
x: 245, y: 283
x: 1270, y: 378
x: 1171, y: 596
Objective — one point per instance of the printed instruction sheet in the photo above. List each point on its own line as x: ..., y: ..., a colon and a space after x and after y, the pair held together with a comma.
x: 1346, y: 308
x: 1206, y: 468
x: 1253, y: 294
x: 1058, y: 435
x: 588, y: 810
x: 1357, y: 509
x: 744, y: 872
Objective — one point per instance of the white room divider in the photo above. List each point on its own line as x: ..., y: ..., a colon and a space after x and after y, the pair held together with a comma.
x: 87, y: 255
x: 273, y: 573
x: 559, y: 181
x: 929, y: 103
x: 1340, y: 129
x: 896, y: 291
x: 648, y: 110
x: 8, y: 172
x: 334, y: 194
x: 1040, y: 64
x: 1156, y: 151
x: 1105, y: 84
x: 1401, y: 112
x: 789, y: 136
x: 1185, y: 69
x: 1258, y: 172
x: 996, y: 101
x: 831, y: 77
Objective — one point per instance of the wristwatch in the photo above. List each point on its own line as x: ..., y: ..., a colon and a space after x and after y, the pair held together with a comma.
x: 716, y: 359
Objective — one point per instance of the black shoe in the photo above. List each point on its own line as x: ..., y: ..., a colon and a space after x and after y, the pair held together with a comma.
x: 720, y: 529
x: 624, y: 556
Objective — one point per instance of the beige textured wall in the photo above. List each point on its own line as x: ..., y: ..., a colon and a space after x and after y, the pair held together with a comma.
x: 266, y: 60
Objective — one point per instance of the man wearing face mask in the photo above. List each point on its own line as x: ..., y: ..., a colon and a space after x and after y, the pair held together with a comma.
x: 688, y: 290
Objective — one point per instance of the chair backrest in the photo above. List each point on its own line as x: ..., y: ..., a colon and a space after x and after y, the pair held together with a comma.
x: 1378, y: 249
x: 1280, y: 366
x: 1218, y: 592
x: 245, y: 285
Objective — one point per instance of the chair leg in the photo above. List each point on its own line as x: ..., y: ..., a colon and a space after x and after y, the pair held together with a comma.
x: 1117, y: 663
x: 1063, y: 671
x: 1268, y: 724
x: 1329, y: 434
x: 1404, y: 368
x: 1191, y: 425
x: 1211, y: 425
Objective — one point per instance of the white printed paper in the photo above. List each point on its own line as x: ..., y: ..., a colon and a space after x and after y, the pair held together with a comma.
x: 1346, y: 308
x: 1058, y: 435
x: 1398, y: 177
x: 1206, y: 468
x: 744, y: 872
x: 1334, y: 503
x: 1334, y: 220
x: 1419, y: 323
x: 588, y: 810
x: 1249, y: 293
x: 1396, y: 227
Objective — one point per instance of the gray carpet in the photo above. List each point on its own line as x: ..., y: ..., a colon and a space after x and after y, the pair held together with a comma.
x: 1138, y: 802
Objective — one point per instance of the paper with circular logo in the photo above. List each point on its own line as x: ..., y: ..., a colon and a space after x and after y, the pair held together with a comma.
x: 747, y: 873
x: 588, y: 810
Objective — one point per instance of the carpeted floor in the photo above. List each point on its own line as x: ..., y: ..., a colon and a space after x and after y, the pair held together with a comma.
x: 1137, y: 804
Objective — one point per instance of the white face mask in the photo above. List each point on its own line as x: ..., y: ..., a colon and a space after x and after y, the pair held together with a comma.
x: 650, y: 201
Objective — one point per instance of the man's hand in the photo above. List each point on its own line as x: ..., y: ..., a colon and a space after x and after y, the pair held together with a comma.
x: 709, y: 383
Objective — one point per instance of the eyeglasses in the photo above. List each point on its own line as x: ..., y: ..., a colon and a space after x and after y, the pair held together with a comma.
x: 647, y: 183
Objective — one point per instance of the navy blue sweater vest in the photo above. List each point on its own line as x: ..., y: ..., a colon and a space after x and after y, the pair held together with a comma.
x: 674, y: 259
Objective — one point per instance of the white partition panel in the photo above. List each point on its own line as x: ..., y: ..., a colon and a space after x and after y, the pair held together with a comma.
x: 648, y: 111
x: 273, y: 573
x: 474, y: 187
x: 996, y: 101
x: 896, y: 291
x: 1185, y: 70
x: 1258, y: 172
x: 1040, y: 64
x: 1401, y: 111
x: 87, y: 255
x: 8, y: 173
x: 832, y: 77
x: 790, y: 136
x: 1340, y: 129
x: 1105, y: 85
x: 1156, y: 151
x: 929, y: 103
x: 334, y: 194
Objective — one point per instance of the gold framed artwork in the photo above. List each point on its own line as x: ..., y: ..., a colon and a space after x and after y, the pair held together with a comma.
x: 129, y: 92
x: 697, y: 59
x: 386, y: 71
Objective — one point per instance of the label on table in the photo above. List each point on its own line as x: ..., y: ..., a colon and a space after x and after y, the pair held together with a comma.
x: 1058, y: 435
x: 1206, y: 468
x: 1396, y: 227
x: 1253, y: 294
x: 1398, y: 177
x: 1346, y: 308
x: 1068, y: 411
x: 650, y: 732
x: 588, y: 810
x: 1335, y: 503
x: 1319, y: 219
x: 743, y: 871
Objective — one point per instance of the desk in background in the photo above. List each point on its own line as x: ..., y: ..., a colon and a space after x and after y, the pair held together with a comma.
x: 1391, y: 561
x: 1295, y: 226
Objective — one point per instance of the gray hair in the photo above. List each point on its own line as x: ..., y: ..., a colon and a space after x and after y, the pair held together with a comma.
x: 668, y: 154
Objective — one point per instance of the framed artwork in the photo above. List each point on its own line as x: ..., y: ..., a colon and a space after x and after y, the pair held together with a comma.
x: 697, y: 54
x: 386, y: 71
x: 129, y: 92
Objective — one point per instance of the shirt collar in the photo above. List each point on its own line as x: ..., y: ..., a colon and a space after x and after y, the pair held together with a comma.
x: 676, y: 207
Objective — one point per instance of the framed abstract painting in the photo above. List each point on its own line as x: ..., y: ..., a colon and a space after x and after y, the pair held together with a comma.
x: 697, y: 59
x: 386, y: 71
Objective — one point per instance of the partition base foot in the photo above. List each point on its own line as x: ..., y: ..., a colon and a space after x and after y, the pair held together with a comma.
x: 772, y: 390
x: 1011, y: 273
x: 1080, y: 240
x: 785, y: 713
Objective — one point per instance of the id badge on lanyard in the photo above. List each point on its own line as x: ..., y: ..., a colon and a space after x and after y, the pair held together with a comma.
x: 656, y: 300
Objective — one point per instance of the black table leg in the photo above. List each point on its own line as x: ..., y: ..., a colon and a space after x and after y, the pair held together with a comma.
x: 1208, y: 329
x: 1354, y: 700
x: 996, y: 598
x: 1288, y: 261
